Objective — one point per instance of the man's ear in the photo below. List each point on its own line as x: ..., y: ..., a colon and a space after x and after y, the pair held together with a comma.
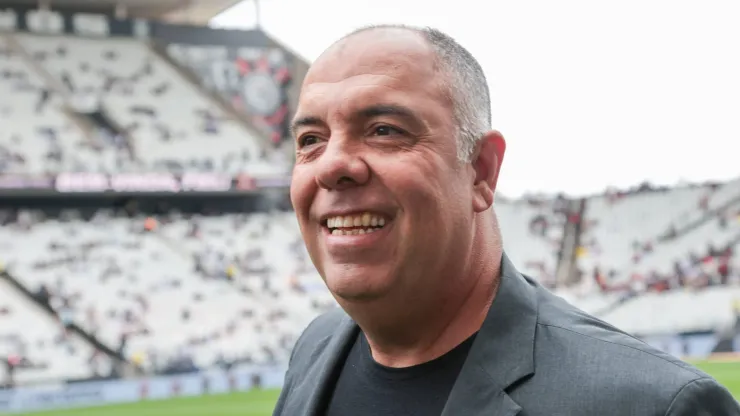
x: 487, y: 164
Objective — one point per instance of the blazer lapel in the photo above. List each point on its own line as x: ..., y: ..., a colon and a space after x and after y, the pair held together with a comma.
x: 502, y: 353
x: 475, y: 394
x: 309, y: 397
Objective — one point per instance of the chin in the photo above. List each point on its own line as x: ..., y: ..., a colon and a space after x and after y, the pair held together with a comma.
x: 354, y: 285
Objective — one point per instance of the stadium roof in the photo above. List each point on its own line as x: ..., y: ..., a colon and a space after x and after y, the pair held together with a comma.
x: 176, y: 11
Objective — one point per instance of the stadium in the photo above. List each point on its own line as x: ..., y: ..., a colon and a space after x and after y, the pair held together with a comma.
x: 149, y: 259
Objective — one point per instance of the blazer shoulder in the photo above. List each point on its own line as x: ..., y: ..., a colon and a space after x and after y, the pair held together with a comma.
x: 593, y: 358
x: 703, y: 396
x: 612, y: 349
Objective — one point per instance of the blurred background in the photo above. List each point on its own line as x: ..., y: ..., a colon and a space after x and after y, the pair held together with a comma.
x: 149, y: 259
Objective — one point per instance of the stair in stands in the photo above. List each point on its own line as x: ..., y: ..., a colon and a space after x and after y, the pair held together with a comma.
x: 9, y: 283
x: 51, y: 82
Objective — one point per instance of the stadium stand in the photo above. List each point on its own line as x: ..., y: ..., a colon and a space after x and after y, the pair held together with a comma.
x: 211, y: 283
x: 136, y: 292
x: 37, y: 137
x: 239, y: 287
x: 651, y: 230
x: 154, y: 109
x: 537, y: 225
x: 38, y: 348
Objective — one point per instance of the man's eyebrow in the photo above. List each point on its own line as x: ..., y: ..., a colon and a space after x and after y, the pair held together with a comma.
x: 363, y: 113
x: 304, y: 121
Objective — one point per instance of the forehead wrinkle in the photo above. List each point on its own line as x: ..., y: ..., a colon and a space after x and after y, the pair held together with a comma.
x: 386, y: 69
x: 318, y: 95
x: 364, y: 87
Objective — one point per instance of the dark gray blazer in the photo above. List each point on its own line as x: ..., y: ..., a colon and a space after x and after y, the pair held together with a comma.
x: 535, y: 355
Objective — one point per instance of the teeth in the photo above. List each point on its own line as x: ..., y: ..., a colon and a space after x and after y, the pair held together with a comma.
x: 364, y: 220
x: 359, y: 231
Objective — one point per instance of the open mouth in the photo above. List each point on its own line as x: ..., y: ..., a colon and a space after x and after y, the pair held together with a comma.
x: 356, y: 224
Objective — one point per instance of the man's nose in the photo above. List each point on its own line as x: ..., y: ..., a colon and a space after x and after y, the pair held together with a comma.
x: 341, y: 165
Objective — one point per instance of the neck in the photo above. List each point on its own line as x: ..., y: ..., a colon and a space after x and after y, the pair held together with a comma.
x: 408, y: 331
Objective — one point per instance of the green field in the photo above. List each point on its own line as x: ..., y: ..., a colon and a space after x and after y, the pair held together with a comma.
x: 260, y: 403
x: 255, y: 403
x: 727, y: 373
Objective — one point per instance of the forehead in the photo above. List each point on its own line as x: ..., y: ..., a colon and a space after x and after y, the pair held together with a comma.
x: 391, y: 65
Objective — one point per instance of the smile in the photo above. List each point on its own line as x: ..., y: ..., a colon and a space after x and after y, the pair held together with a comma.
x: 355, y: 224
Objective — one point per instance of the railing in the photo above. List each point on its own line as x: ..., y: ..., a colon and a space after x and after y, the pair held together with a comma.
x: 97, y: 393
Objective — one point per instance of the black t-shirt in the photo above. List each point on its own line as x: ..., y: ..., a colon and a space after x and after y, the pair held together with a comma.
x: 366, y: 388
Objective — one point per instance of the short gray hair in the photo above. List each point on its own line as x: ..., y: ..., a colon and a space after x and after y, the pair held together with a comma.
x: 466, y: 84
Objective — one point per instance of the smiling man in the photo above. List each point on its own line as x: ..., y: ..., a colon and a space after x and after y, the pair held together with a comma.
x: 393, y: 188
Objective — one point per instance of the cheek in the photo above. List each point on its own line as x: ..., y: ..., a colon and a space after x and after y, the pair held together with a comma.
x: 436, y: 198
x: 295, y: 198
x: 301, y: 191
x: 426, y: 183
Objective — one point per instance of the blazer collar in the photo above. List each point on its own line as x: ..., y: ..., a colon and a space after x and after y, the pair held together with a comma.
x: 501, y: 355
x: 319, y: 382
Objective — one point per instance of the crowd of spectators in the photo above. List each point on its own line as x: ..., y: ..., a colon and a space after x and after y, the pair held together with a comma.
x: 132, y: 283
x: 172, y: 291
x: 114, y: 106
x: 694, y: 250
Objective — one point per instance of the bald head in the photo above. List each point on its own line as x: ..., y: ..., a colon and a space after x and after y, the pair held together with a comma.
x: 390, y: 47
x: 461, y: 75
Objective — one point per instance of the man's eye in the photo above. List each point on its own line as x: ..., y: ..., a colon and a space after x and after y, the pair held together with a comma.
x: 386, y: 131
x: 307, y: 140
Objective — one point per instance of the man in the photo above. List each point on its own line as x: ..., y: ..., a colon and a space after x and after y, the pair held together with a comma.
x: 393, y: 188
